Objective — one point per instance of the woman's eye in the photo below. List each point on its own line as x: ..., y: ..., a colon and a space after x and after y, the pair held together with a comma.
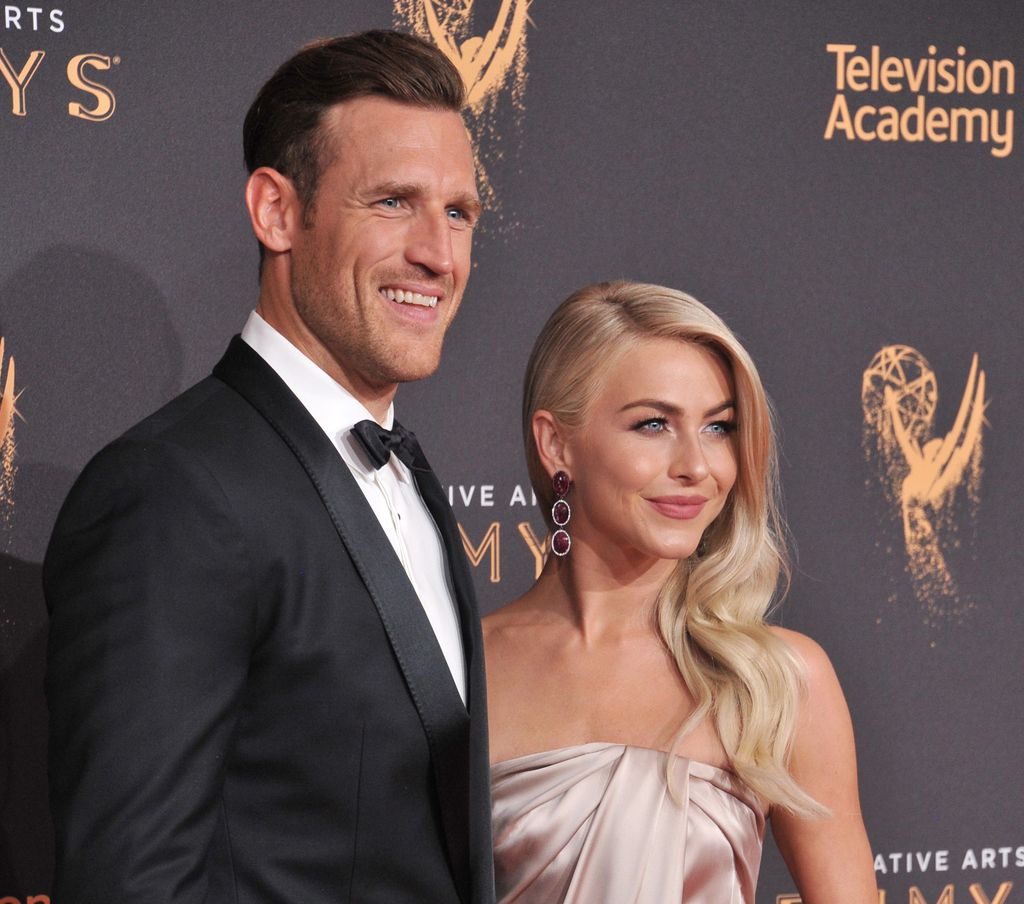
x: 651, y: 425
x: 721, y: 428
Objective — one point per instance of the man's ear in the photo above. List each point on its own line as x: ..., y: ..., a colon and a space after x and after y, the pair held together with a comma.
x: 274, y: 208
x: 552, y: 441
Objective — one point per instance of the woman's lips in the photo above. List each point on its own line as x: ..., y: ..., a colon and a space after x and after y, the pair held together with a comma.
x: 682, y: 508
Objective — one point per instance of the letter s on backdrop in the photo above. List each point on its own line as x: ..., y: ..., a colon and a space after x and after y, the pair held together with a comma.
x: 105, y: 103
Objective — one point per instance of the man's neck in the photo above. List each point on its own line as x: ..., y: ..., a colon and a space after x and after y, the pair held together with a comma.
x: 286, y: 321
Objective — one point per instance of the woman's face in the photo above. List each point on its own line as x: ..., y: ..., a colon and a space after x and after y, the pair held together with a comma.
x: 655, y: 460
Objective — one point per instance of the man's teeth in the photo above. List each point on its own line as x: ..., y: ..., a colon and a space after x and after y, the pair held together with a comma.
x: 403, y: 297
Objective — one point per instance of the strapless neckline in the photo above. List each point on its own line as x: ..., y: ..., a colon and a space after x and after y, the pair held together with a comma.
x: 722, y: 779
x: 556, y: 753
x: 595, y: 823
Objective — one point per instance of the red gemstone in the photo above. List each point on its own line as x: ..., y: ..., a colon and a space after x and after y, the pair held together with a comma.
x: 560, y: 542
x: 560, y: 482
x: 560, y: 513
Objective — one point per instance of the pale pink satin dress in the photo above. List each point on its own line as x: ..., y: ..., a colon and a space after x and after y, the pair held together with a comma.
x: 595, y: 824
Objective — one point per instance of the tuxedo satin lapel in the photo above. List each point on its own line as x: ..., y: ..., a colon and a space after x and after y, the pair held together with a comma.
x: 446, y: 721
x: 433, y: 495
x: 478, y: 777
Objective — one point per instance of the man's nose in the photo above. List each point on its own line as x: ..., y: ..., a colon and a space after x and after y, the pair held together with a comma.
x: 430, y: 244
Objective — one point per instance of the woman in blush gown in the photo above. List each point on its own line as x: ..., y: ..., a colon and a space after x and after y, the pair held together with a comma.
x: 645, y: 720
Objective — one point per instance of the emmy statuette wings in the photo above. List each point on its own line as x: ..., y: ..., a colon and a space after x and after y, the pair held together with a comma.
x: 7, y: 396
x: 483, y: 62
x: 8, y: 401
x: 938, y: 467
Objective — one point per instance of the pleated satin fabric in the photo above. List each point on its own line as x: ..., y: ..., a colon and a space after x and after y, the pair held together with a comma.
x: 595, y: 824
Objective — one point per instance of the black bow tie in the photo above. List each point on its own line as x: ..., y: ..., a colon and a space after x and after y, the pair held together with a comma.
x: 379, y: 443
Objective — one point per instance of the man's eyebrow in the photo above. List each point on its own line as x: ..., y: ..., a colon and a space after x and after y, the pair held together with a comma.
x: 468, y: 202
x: 669, y: 408
x: 394, y: 190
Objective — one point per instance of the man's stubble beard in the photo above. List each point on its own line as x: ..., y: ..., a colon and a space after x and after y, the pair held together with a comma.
x: 359, y: 347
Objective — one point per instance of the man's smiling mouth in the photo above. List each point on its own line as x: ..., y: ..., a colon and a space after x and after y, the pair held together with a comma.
x: 405, y: 297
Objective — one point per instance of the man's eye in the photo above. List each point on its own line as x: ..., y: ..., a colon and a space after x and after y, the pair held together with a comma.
x: 457, y: 216
x: 390, y: 203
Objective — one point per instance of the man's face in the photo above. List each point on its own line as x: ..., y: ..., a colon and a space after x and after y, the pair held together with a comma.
x: 378, y: 270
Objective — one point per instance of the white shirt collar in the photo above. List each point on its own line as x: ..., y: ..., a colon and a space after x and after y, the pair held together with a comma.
x: 332, y: 406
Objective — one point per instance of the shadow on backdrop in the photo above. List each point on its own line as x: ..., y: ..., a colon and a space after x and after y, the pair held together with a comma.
x: 95, y: 352
x: 26, y: 834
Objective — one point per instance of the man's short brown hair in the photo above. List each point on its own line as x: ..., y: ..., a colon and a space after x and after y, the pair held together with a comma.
x: 283, y: 126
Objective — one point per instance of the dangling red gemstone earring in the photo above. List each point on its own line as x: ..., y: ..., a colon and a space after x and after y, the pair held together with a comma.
x: 560, y: 513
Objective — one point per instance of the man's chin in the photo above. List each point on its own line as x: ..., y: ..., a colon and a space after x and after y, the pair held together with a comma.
x: 412, y: 375
x: 409, y: 371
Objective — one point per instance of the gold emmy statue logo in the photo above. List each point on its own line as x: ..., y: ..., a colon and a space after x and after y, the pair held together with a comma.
x: 8, y: 398
x: 491, y: 65
x: 922, y: 473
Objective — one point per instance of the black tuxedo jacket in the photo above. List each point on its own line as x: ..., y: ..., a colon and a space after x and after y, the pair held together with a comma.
x: 248, y: 704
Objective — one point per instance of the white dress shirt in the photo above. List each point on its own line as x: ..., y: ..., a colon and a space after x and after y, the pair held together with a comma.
x: 390, y: 491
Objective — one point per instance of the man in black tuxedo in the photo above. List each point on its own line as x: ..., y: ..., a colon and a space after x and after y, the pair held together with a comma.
x: 265, y: 671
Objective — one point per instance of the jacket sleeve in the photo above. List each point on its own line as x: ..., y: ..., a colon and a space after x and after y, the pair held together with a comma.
x: 152, y: 621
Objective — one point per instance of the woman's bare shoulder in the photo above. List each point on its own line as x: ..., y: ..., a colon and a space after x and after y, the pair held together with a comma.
x: 503, y: 617
x: 824, y: 716
x: 817, y: 666
x: 522, y: 633
x: 530, y: 610
x: 507, y: 623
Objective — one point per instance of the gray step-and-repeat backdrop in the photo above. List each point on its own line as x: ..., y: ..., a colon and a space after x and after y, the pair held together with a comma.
x: 841, y: 181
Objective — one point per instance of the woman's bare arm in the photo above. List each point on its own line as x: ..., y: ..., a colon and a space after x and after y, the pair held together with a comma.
x: 830, y: 857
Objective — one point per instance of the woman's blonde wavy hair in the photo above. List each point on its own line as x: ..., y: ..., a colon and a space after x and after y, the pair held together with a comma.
x: 711, y: 612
